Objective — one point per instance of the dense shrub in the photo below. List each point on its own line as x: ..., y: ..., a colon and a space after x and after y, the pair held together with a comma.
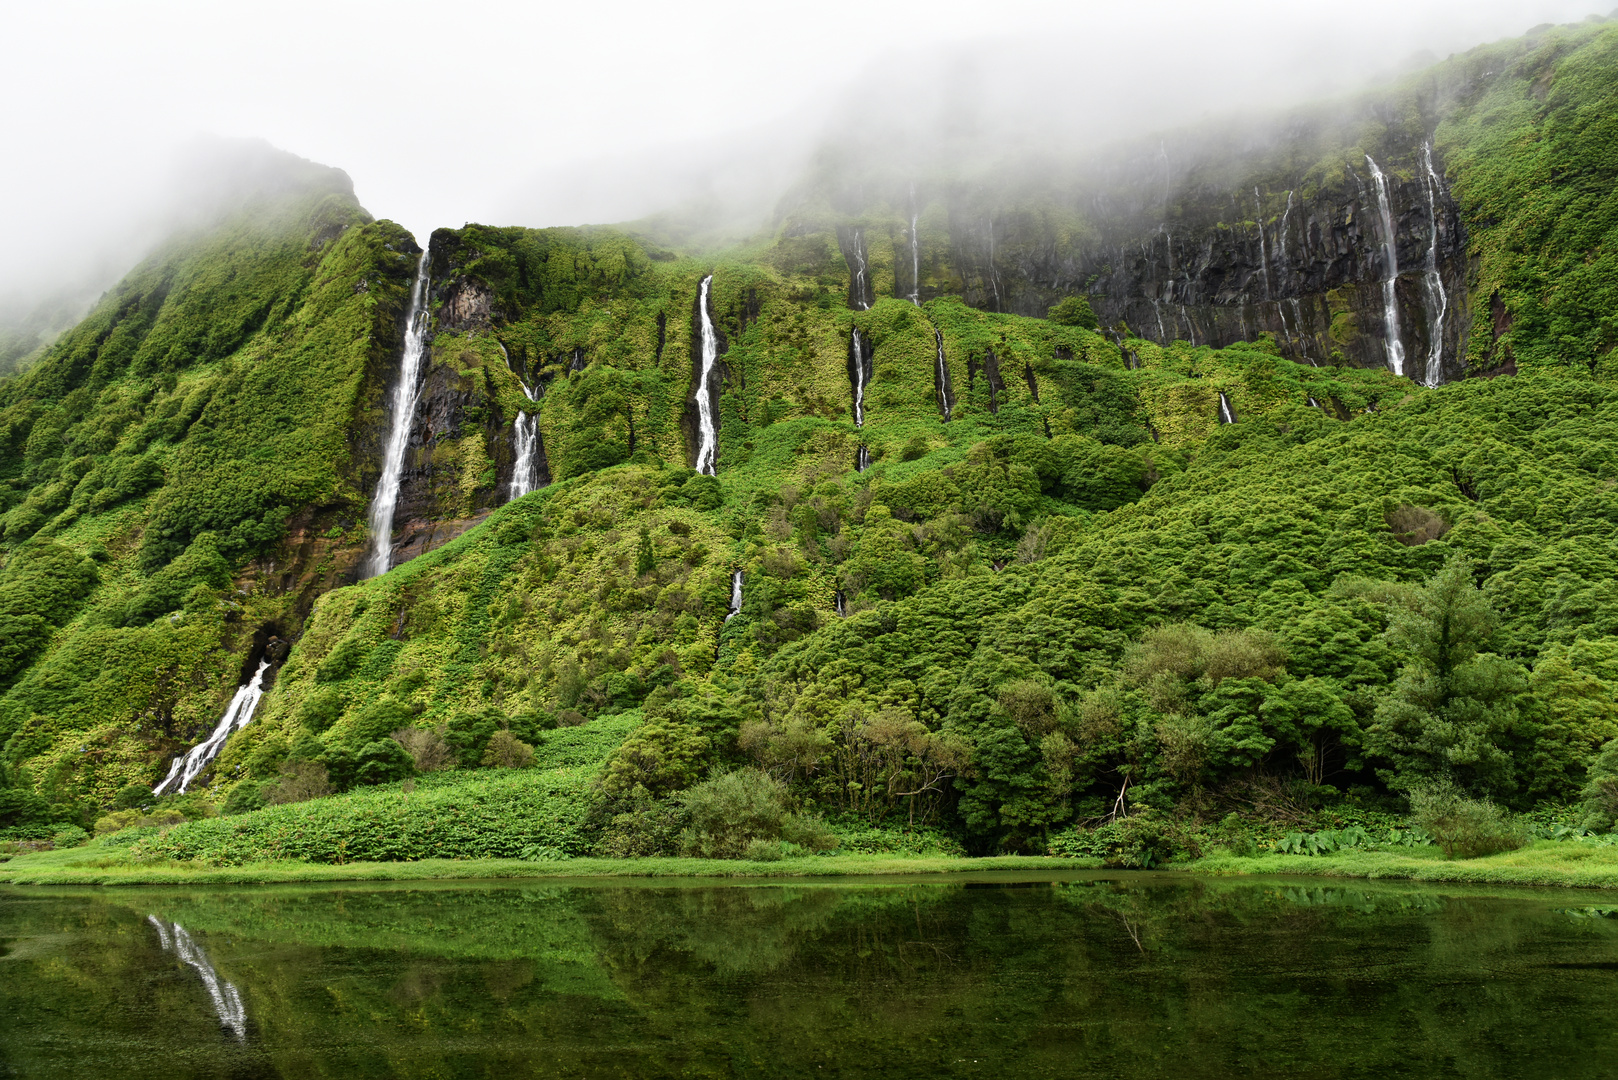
x: 731, y: 811
x: 493, y: 816
x: 1465, y: 828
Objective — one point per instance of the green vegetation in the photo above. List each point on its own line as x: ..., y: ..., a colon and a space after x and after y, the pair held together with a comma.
x: 1080, y: 616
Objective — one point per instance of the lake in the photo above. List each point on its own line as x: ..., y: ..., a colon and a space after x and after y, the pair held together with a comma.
x: 1068, y: 975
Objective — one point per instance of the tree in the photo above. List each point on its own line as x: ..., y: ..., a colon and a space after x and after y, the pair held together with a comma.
x: 1074, y: 311
x: 1453, y: 706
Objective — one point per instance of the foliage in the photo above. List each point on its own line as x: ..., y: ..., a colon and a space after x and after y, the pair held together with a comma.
x: 1465, y: 828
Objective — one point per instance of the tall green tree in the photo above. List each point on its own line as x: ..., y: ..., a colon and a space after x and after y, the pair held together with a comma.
x: 1453, y: 706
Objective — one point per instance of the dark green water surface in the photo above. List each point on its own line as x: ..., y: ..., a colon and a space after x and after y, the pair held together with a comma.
x: 1081, y: 975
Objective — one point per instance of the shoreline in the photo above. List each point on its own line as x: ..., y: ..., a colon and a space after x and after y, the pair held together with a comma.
x: 1562, y: 864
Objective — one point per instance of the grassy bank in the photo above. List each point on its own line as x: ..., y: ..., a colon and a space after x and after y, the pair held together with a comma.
x: 90, y: 866
x: 1555, y: 863
x: 1546, y: 862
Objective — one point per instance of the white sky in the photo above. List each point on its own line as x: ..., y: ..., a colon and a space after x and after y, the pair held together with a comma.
x: 548, y: 113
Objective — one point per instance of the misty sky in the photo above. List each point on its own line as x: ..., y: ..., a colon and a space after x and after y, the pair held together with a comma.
x: 561, y: 113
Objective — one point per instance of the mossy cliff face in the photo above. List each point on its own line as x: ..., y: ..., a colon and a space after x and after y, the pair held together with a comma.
x: 186, y: 474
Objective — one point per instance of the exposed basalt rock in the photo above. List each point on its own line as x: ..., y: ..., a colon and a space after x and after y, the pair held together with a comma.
x: 464, y: 305
x: 1213, y: 266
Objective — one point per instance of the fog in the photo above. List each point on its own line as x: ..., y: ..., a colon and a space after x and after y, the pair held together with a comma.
x: 549, y: 113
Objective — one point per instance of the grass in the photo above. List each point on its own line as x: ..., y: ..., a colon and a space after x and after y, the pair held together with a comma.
x: 98, y: 866
x: 1546, y: 862
x: 1565, y: 863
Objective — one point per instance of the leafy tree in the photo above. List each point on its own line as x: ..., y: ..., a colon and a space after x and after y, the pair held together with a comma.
x: 1451, y: 711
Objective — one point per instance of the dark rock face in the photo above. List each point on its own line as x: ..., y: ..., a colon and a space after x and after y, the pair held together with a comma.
x: 1213, y: 264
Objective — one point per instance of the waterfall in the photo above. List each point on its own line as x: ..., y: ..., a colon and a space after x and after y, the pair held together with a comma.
x: 915, y: 251
x: 237, y: 714
x: 1285, y: 214
x: 404, y: 413
x: 1390, y: 272
x: 839, y: 603
x: 1313, y: 404
x: 523, y: 475
x: 227, y: 1001
x: 1436, y: 296
x: 1162, y: 334
x: 708, y: 444
x: 1226, y: 415
x: 735, y: 595
x: 1263, y: 254
x: 862, y: 459
x: 857, y: 369
x: 859, y: 270
x: 946, y: 396
x: 1303, y: 335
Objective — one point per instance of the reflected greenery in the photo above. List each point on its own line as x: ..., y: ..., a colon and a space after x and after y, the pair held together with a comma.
x: 1080, y: 974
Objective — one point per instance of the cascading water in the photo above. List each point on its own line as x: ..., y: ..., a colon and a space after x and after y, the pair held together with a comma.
x: 523, y: 473
x: 915, y: 251
x: 862, y: 459
x: 404, y: 412
x: 1226, y: 414
x: 839, y: 603
x: 1313, y: 404
x: 708, y: 434
x: 735, y: 595
x: 237, y: 714
x: 227, y: 1001
x: 1390, y: 273
x: 1285, y: 214
x: 1263, y: 253
x: 1436, y: 296
x: 857, y: 369
x: 859, y: 270
x: 946, y: 395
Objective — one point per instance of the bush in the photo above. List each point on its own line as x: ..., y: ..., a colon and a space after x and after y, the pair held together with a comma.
x: 300, y: 781
x: 1464, y: 828
x: 642, y: 827
x: 495, y: 816
x: 426, y: 748
x: 506, y: 751
x: 119, y: 820
x: 1137, y: 842
x: 244, y: 798
x: 730, y: 812
x: 70, y: 836
x: 132, y: 796
x: 1073, y: 311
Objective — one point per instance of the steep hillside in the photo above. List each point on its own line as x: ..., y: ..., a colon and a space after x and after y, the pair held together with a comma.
x: 954, y: 552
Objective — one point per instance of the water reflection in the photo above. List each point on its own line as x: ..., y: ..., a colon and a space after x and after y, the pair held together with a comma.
x: 1143, y: 975
x: 227, y: 1001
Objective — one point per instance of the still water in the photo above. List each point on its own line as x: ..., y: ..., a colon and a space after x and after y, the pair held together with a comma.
x: 1078, y: 975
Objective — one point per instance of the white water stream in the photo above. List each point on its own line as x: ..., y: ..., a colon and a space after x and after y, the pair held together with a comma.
x: 708, y: 433
x: 523, y: 474
x: 946, y: 397
x: 858, y: 347
x: 404, y: 413
x: 735, y: 595
x: 1436, y: 296
x: 237, y: 714
x: 1390, y: 273
x: 1226, y: 416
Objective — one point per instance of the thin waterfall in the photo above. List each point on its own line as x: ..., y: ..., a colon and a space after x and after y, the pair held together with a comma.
x: 859, y: 270
x: 237, y: 714
x: 1226, y: 414
x: 1162, y: 334
x: 404, y: 414
x: 915, y: 251
x: 735, y: 595
x: 523, y: 473
x: 708, y: 434
x: 1285, y: 214
x: 839, y: 603
x: 862, y: 459
x: 1313, y: 404
x: 1390, y: 273
x: 946, y: 395
x: 227, y: 1001
x: 1436, y: 296
x: 857, y: 370
x: 1303, y: 335
x: 1263, y: 254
